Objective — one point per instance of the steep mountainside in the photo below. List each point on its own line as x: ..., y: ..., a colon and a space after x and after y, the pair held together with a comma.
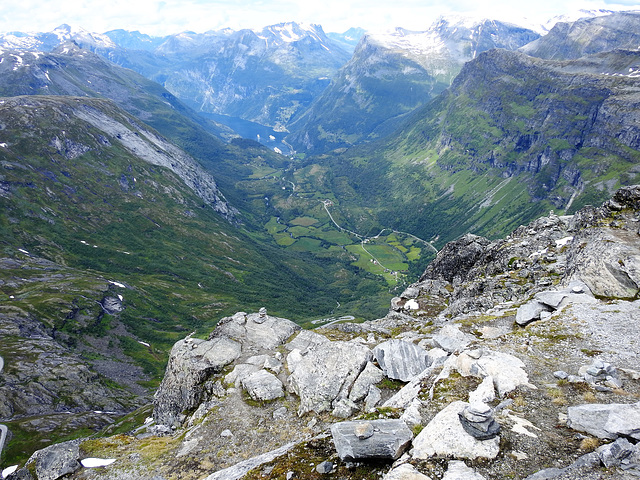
x: 70, y: 70
x: 509, y: 359
x: 513, y: 137
x: 390, y: 75
x: 265, y: 76
x: 115, y: 242
x: 572, y: 40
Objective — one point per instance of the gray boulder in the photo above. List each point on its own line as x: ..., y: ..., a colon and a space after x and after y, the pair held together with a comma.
x: 373, y: 398
x: 305, y: 340
x: 530, y: 311
x: 606, y: 420
x: 451, y: 339
x: 458, y: 470
x: 401, y: 360
x: 256, y: 331
x: 615, y: 453
x: 445, y: 436
x: 191, y: 362
x: 405, y: 471
x: 52, y: 462
x: 389, y: 439
x: 371, y: 375
x: 262, y: 385
x: 325, y: 374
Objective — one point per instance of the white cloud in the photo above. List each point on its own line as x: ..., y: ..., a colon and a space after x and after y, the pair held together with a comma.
x: 161, y: 17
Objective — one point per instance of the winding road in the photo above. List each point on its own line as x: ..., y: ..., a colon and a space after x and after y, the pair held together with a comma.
x: 326, y: 203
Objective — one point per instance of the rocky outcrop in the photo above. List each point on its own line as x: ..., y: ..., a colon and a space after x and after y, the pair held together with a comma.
x: 494, y: 394
x: 401, y: 360
x: 445, y: 435
x: 607, y: 259
x: 325, y: 374
x: 376, y: 439
x: 192, y: 361
x: 606, y: 421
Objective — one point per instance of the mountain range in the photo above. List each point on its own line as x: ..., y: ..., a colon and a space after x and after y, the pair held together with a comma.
x: 134, y: 211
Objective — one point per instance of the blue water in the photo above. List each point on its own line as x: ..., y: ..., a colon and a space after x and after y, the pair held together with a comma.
x: 252, y: 130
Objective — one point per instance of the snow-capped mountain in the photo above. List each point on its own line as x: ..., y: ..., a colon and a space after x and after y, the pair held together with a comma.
x: 49, y: 40
x: 391, y: 74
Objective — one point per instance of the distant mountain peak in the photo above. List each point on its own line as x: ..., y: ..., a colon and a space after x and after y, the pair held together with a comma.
x: 289, y: 32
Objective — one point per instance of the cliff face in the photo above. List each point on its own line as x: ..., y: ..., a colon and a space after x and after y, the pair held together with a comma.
x: 390, y: 75
x: 560, y: 125
x: 512, y: 355
x: 572, y: 40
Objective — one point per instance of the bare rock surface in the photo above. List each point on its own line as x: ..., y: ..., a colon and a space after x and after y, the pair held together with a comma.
x: 262, y: 385
x: 507, y: 371
x: 326, y: 373
x: 445, y: 436
x: 256, y: 332
x: 405, y: 471
x: 606, y: 421
x: 458, y: 470
x: 389, y: 439
x: 239, y: 470
x: 368, y: 377
x: 401, y: 360
x: 191, y: 362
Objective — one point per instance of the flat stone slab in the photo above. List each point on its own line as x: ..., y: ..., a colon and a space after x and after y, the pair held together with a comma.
x: 401, y: 360
x: 458, y: 470
x: 405, y: 471
x: 606, y: 420
x: 389, y: 440
x: 445, y: 436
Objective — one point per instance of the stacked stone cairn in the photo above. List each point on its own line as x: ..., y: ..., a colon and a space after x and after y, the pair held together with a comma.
x: 478, y: 420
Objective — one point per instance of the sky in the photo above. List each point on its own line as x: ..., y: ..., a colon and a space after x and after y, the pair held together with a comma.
x: 164, y: 17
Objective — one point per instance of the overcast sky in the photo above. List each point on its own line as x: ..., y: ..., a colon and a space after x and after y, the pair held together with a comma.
x: 162, y: 17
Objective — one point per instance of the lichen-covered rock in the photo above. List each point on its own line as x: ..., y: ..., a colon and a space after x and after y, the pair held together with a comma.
x: 606, y: 420
x: 191, y: 362
x: 506, y: 370
x: 361, y: 387
x: 51, y: 463
x: 445, y: 436
x: 405, y: 471
x: 262, y: 385
x: 401, y: 360
x: 390, y: 438
x: 326, y: 373
x: 255, y: 330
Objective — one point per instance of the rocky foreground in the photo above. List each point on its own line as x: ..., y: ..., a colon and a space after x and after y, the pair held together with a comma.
x: 509, y: 359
